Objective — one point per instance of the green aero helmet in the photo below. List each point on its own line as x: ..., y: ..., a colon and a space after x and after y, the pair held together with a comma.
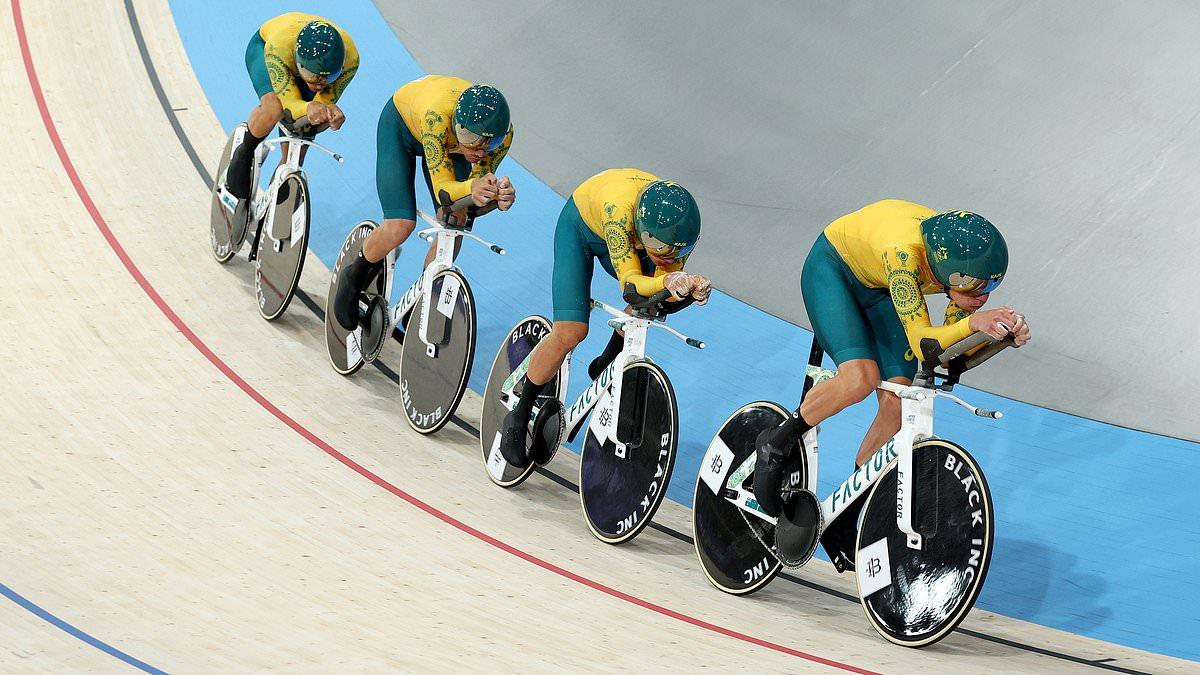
x: 320, y: 52
x: 667, y: 219
x: 481, y: 117
x: 965, y: 251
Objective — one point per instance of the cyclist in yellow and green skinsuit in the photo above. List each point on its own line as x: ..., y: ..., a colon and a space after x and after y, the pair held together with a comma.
x: 299, y: 63
x: 641, y: 229
x: 461, y: 132
x: 864, y: 285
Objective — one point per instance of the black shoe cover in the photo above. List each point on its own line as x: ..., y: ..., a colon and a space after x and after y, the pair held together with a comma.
x: 768, y: 474
x: 350, y: 284
x: 514, y: 439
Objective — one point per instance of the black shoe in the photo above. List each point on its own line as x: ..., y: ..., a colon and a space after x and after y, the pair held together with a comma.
x: 768, y: 471
x: 351, y: 282
x: 514, y: 439
x: 239, y: 170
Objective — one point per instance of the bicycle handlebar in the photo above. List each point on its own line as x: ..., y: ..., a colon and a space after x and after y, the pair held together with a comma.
x: 301, y: 127
x: 656, y: 305
x: 438, y: 226
x: 448, y: 210
x: 956, y: 358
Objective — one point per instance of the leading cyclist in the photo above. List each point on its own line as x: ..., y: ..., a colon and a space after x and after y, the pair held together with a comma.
x: 864, y: 284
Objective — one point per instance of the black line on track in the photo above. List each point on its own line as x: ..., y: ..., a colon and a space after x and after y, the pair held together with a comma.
x: 319, y: 312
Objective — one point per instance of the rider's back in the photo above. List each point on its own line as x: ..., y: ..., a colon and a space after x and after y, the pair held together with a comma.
x: 862, y: 237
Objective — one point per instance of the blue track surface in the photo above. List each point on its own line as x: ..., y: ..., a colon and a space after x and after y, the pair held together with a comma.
x: 1096, y: 531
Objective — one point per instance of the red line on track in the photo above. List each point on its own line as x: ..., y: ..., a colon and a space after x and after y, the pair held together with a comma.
x: 115, y: 244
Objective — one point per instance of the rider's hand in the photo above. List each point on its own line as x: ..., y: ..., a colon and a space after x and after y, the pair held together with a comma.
x: 336, y: 117
x: 679, y: 283
x: 1020, y: 331
x: 701, y: 288
x: 505, y: 194
x: 484, y: 190
x: 318, y: 113
x: 995, y: 322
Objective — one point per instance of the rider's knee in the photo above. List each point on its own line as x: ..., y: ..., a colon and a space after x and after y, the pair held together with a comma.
x: 860, y: 378
x: 570, y: 333
x: 271, y: 107
x: 396, y: 230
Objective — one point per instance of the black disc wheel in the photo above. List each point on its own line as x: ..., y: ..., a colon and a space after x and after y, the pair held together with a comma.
x: 728, y: 540
x: 916, y: 597
x: 227, y: 226
x: 280, y: 262
x: 628, y: 454
x: 517, y: 345
x: 433, y: 376
x: 348, y: 350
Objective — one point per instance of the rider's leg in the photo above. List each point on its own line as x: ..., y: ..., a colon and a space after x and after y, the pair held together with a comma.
x: 886, y: 422
x: 572, y: 281
x: 262, y: 119
x: 834, y: 300
x: 896, y: 364
x: 617, y: 340
x: 395, y: 168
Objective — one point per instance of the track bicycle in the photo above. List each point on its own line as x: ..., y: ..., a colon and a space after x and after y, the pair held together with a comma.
x: 628, y: 453
x: 283, y: 204
x: 914, y: 522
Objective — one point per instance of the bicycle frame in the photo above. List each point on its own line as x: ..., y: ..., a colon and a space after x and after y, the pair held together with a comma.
x: 443, y: 260
x: 633, y: 349
x: 262, y: 201
x: 916, y: 424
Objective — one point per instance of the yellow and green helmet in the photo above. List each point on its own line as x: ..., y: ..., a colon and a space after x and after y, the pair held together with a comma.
x: 320, y: 52
x: 667, y: 219
x: 966, y: 252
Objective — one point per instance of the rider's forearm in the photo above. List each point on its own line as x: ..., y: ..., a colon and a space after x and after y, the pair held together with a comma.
x: 945, y: 335
x: 457, y: 189
x: 295, y: 105
x: 646, y: 286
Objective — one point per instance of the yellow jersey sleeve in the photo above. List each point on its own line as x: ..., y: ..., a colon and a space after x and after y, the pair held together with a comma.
x: 619, y: 237
x: 902, y: 267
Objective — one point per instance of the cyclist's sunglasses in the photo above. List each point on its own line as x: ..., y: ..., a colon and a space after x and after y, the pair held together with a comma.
x: 316, y: 78
x: 474, y: 141
x: 972, y: 286
x: 663, y: 250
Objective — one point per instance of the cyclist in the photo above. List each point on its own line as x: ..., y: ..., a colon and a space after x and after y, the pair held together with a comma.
x: 642, y: 230
x: 864, y: 284
x: 300, y: 64
x: 462, y: 132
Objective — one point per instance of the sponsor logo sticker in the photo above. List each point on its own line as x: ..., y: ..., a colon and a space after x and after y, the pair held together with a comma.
x: 716, y: 464
x: 496, y: 463
x: 873, y: 568
x: 448, y: 296
x: 353, y: 350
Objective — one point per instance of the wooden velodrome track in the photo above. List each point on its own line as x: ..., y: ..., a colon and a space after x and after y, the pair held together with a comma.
x: 188, y: 488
